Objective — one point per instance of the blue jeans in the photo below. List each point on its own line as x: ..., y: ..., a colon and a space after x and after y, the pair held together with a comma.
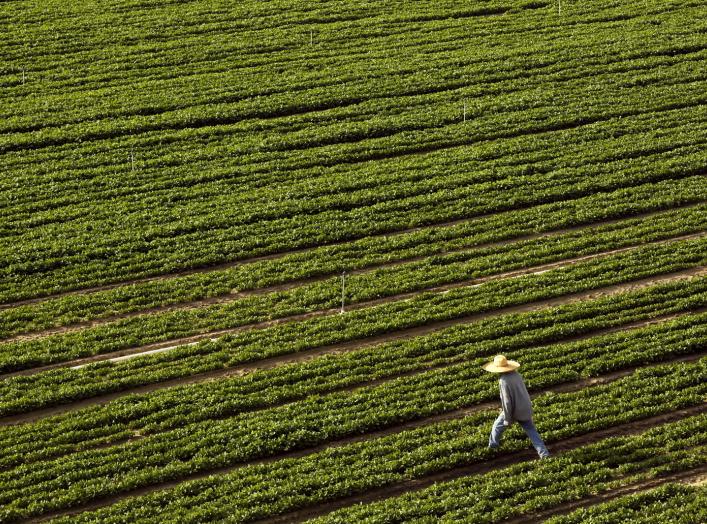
x: 528, y: 427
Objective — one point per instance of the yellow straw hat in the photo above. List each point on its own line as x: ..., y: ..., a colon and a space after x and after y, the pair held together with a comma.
x: 501, y: 365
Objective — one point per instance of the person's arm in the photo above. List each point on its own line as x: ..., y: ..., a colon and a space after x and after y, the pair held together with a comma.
x: 506, y: 404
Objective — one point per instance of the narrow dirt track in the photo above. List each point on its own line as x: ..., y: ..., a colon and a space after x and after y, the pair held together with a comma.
x: 687, y: 477
x: 245, y: 368
x: 160, y: 347
x: 406, y: 486
x: 235, y: 296
x: 556, y: 448
x: 278, y: 255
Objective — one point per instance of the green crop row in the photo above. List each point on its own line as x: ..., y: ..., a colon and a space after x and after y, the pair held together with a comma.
x: 303, y: 231
x: 354, y: 255
x: 442, y: 269
x: 340, y: 44
x: 486, y: 109
x: 327, y: 227
x: 668, y: 503
x: 67, y: 384
x: 90, y: 185
x: 318, y: 420
x: 100, y: 183
x: 207, y: 90
x: 524, y: 489
x: 611, y: 141
x: 170, y: 408
x: 631, y: 155
x: 463, y: 133
x: 339, y: 471
x: 437, y: 91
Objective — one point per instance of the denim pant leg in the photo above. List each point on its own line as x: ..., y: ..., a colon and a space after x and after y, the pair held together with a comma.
x: 534, y: 437
x: 496, y: 432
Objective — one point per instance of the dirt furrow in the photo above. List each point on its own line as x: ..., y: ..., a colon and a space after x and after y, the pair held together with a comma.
x: 274, y: 256
x: 556, y: 448
x: 160, y: 347
x: 409, y: 485
x: 248, y: 367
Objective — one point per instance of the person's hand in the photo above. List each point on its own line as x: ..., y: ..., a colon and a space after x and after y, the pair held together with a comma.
x: 506, y: 423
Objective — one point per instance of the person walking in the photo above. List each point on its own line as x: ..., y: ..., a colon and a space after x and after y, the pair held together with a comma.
x: 515, y: 403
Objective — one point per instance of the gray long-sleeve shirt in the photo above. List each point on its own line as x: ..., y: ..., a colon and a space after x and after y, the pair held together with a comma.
x: 514, y: 397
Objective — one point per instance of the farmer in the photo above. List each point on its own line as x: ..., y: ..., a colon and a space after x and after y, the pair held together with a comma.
x: 515, y: 403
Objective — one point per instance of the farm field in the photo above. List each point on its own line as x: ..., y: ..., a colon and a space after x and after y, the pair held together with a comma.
x: 253, y: 256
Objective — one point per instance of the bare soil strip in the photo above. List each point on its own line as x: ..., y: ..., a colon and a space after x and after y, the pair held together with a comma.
x: 301, y: 356
x: 410, y: 485
x: 161, y: 347
x: 274, y: 256
x: 688, y: 477
x: 484, y: 467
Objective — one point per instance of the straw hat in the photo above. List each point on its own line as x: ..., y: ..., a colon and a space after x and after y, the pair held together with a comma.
x: 501, y: 365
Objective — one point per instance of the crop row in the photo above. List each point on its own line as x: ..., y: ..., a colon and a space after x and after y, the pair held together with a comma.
x: 531, y: 99
x: 258, y: 431
x: 62, y: 263
x: 397, y: 185
x: 401, y: 187
x: 442, y: 89
x: 363, y: 202
x: 170, y: 408
x: 143, y: 58
x: 239, y: 85
x: 71, y: 384
x: 378, y: 208
x: 100, y: 182
x: 668, y: 503
x: 452, y: 260
x: 83, y: 477
x: 341, y: 41
x: 346, y: 71
x: 274, y: 29
x: 272, y: 145
x: 354, y: 255
x: 526, y: 488
x: 91, y: 183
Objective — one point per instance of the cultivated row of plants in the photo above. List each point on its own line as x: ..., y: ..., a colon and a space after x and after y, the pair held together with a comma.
x: 341, y: 44
x: 528, y: 488
x: 19, y: 394
x: 366, y: 253
x: 335, y: 472
x: 171, y: 408
x: 331, y: 225
x: 668, y: 503
x: 88, y: 188
x: 311, y: 297
x: 485, y: 126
